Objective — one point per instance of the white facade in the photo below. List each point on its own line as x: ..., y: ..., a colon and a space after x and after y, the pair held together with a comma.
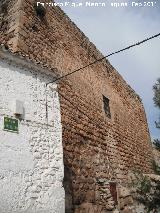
x: 31, y: 161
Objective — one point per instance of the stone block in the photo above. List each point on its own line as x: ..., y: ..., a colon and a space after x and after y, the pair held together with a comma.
x: 123, y: 192
x: 128, y: 200
x: 121, y: 203
x: 90, y: 196
x: 110, y: 205
x: 127, y: 210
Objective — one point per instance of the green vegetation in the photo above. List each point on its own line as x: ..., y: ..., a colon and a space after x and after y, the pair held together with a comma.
x: 146, y: 191
x: 156, y: 99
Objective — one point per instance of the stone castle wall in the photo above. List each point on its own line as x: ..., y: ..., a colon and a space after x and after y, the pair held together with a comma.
x: 96, y: 149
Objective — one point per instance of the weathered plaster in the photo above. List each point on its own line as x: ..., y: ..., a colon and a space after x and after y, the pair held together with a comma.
x: 31, y: 161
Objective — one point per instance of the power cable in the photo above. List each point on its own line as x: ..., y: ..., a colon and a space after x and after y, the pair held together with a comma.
x: 98, y: 60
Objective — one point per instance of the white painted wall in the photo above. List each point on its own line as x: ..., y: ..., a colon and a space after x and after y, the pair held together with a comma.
x: 31, y: 162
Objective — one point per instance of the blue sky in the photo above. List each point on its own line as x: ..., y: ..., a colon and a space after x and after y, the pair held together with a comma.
x: 111, y: 29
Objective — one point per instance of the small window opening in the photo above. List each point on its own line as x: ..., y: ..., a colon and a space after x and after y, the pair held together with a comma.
x: 106, y: 106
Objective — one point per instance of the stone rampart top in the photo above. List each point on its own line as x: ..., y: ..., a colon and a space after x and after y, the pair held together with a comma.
x: 96, y: 54
x: 17, y: 20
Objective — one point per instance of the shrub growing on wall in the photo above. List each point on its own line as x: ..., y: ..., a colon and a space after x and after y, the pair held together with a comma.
x: 156, y: 99
x: 146, y: 191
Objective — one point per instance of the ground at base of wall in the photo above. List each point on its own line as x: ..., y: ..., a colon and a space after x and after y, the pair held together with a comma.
x: 90, y: 208
x: 126, y: 203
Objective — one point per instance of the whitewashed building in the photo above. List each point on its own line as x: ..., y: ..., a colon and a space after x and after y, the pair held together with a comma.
x: 31, y: 156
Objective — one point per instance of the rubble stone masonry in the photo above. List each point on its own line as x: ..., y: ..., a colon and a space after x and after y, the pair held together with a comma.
x: 97, y: 149
x: 31, y: 160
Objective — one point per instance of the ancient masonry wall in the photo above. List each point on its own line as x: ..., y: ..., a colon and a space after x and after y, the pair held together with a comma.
x: 96, y: 148
x: 9, y: 22
x: 97, y: 151
x: 31, y: 161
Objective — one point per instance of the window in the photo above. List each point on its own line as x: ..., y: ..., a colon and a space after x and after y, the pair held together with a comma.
x: 106, y: 106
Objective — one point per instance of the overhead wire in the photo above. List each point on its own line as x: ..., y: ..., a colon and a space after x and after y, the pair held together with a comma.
x: 100, y: 59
